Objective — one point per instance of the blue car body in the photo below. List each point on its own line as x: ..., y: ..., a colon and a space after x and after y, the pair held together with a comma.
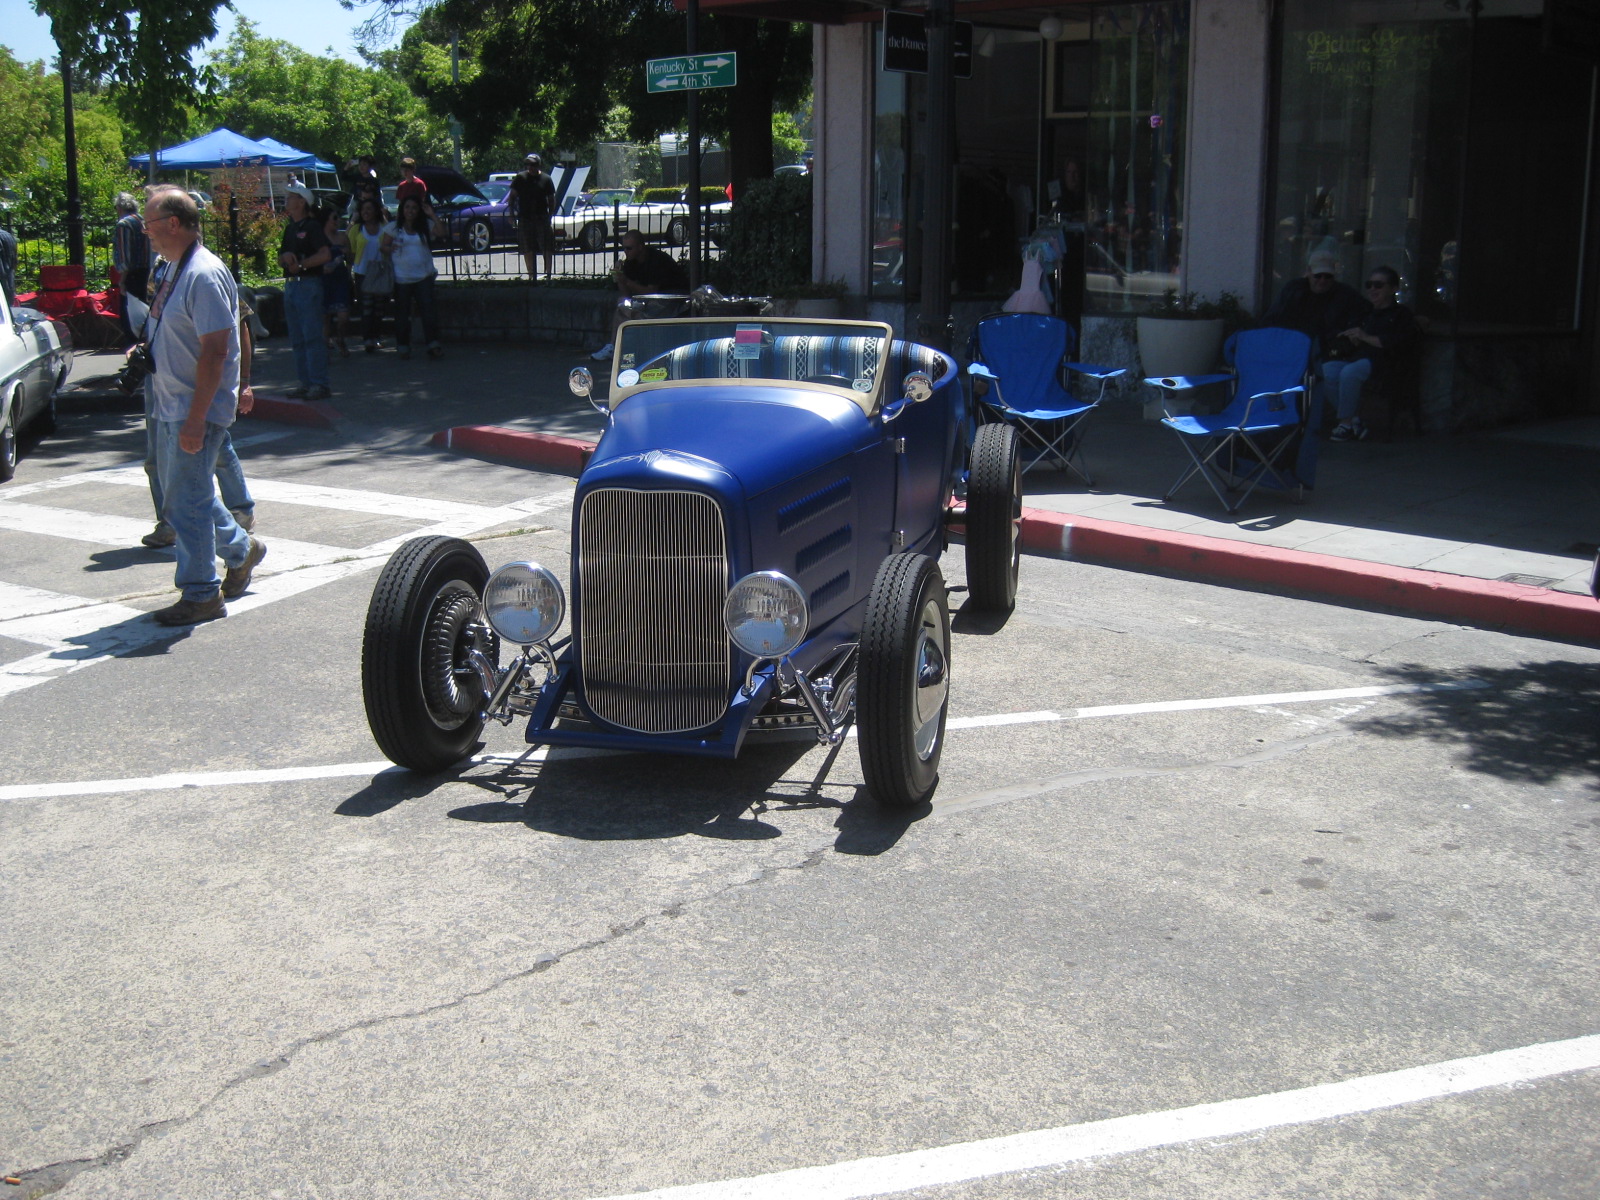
x: 806, y: 482
x: 754, y: 550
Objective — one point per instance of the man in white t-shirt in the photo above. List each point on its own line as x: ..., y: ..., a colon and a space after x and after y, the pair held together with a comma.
x: 193, y: 335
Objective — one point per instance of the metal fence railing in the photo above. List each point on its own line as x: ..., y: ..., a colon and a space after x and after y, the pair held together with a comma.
x: 484, y: 247
x: 474, y: 247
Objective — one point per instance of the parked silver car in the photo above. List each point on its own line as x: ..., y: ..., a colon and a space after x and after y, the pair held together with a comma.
x: 35, y: 356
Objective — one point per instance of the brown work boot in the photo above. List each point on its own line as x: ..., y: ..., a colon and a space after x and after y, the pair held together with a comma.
x: 237, y: 579
x: 192, y: 612
x: 162, y: 536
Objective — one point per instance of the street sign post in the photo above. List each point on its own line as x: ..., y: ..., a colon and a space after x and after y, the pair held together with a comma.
x: 691, y: 72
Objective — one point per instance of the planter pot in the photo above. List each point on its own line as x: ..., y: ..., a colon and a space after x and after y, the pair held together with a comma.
x: 817, y: 309
x: 1170, y: 347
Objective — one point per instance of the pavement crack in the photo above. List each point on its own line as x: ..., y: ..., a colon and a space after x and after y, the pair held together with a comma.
x: 51, y: 1178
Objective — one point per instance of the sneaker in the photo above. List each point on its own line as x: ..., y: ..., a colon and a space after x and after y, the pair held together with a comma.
x: 237, y: 579
x: 159, y: 538
x: 603, y: 353
x: 317, y: 393
x: 1353, y: 430
x: 192, y: 612
x: 245, y: 518
x: 435, y: 351
x: 296, y: 393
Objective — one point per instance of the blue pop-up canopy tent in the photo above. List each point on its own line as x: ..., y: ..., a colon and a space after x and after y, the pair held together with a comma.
x: 219, y: 148
x: 301, y: 158
x: 222, y: 148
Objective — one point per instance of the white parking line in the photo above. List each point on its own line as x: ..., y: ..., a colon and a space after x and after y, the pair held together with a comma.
x: 1047, y: 1149
x: 35, y: 791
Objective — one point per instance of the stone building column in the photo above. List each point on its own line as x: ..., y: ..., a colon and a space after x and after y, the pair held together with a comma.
x: 1230, y: 41
x: 841, y: 115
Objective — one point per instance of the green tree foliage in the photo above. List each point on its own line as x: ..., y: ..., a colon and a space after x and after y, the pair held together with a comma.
x: 334, y: 108
x: 141, y: 49
x: 768, y: 248
x: 561, y: 66
x: 33, y: 145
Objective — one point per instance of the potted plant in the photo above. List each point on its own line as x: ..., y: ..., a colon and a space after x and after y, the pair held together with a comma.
x: 820, y: 300
x: 1183, y: 334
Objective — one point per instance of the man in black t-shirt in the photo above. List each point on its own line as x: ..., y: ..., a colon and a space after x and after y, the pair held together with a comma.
x: 302, y: 254
x: 532, y: 204
x: 643, y: 271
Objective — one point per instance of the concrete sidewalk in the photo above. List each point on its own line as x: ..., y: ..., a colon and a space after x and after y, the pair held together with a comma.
x: 1495, y: 529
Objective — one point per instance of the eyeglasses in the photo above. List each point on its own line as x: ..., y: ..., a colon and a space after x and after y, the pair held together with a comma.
x: 1322, y: 275
x: 1379, y: 285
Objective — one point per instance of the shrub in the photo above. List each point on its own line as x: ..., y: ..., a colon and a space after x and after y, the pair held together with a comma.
x: 768, y: 246
x: 673, y: 195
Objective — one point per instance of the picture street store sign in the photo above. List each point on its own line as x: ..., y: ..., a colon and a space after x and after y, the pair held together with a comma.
x: 905, y: 44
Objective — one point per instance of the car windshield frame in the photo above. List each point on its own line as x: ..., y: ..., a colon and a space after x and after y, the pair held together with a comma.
x: 640, y: 360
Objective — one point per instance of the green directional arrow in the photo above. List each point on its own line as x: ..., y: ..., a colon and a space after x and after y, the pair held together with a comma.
x: 688, y: 72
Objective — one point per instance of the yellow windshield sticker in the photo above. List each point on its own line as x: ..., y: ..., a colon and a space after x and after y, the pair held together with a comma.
x: 653, y: 375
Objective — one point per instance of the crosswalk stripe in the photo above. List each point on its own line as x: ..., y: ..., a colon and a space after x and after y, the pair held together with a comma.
x: 78, y: 631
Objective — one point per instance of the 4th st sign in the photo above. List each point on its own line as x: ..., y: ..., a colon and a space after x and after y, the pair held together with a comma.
x: 691, y: 72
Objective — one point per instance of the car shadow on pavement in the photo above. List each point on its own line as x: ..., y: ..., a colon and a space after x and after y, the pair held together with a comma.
x: 622, y: 797
x: 1532, y: 723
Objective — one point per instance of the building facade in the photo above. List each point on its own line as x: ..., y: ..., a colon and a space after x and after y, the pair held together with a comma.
x: 1211, y: 146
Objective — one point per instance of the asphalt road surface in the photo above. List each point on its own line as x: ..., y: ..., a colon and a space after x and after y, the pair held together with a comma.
x: 1221, y: 895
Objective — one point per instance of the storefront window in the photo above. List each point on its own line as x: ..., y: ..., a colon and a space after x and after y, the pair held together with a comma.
x: 1135, y: 170
x: 1445, y: 145
x: 1371, y: 128
x: 892, y: 231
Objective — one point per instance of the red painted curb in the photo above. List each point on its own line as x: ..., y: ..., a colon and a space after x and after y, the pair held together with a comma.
x: 314, y: 413
x: 546, y: 451
x: 1486, y: 602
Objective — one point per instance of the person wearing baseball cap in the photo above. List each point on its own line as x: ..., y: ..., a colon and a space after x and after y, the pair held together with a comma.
x: 302, y: 253
x: 1318, y: 305
x: 532, y: 204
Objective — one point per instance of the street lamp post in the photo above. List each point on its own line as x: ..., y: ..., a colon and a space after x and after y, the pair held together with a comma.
x: 74, y: 200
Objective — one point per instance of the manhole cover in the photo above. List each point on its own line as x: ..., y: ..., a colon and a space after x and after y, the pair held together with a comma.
x: 1530, y: 580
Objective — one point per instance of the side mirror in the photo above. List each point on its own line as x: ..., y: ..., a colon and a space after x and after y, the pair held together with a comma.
x: 917, y: 386
x: 581, y: 381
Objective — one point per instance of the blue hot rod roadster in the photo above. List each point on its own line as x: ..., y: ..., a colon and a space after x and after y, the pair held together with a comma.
x: 754, y: 548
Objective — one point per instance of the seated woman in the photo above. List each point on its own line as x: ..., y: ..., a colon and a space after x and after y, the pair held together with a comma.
x: 1370, y: 350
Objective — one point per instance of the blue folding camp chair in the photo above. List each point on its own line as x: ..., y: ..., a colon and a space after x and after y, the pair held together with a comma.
x: 1266, y: 437
x: 1023, y: 358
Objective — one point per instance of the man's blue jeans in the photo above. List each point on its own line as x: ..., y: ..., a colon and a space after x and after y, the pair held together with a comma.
x: 302, y: 309
x: 206, y: 529
x: 1345, y: 380
x: 230, y: 473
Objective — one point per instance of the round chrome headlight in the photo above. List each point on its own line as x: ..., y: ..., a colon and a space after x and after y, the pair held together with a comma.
x: 766, y: 614
x: 523, y: 603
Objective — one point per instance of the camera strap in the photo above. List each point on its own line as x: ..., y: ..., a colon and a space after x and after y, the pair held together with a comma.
x: 159, y: 304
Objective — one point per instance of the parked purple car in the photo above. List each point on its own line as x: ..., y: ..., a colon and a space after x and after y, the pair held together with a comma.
x: 475, y: 224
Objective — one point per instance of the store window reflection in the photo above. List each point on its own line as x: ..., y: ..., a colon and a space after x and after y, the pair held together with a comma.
x: 1439, y: 142
x: 1135, y: 169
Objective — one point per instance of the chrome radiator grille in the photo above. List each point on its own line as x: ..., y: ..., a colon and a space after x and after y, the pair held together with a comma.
x: 653, y: 576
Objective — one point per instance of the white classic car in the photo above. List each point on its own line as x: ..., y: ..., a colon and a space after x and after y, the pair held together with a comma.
x: 595, y: 218
x: 35, y: 356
